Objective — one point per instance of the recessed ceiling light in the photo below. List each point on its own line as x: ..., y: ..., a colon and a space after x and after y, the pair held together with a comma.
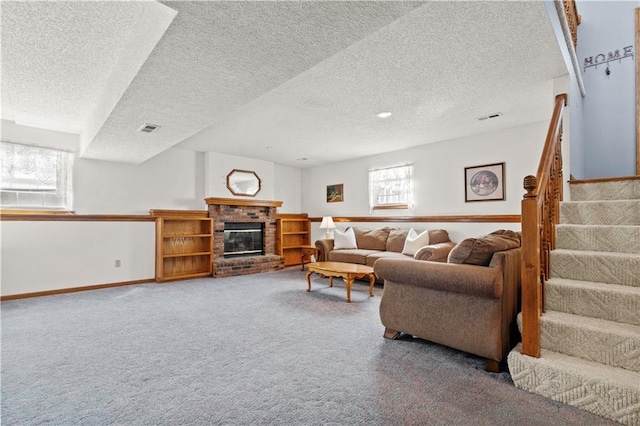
x: 383, y: 114
x: 268, y: 148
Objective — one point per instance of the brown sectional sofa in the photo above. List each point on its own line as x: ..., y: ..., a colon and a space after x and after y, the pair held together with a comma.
x: 385, y: 243
x: 470, y: 305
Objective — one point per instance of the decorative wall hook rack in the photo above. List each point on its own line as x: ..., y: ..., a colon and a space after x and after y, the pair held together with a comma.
x: 604, y: 59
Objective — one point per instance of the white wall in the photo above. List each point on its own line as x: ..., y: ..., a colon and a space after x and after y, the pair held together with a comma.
x: 609, y: 104
x: 218, y: 166
x: 41, y: 256
x: 172, y: 179
x: 288, y: 188
x: 438, y: 178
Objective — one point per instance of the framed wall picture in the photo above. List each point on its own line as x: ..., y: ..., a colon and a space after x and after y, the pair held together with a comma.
x: 335, y: 193
x: 484, y: 183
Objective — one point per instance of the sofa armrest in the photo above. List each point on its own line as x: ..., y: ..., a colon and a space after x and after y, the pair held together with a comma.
x: 467, y: 279
x: 324, y: 246
x: 435, y: 252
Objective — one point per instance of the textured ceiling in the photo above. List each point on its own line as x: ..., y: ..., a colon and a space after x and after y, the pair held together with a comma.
x: 305, y: 79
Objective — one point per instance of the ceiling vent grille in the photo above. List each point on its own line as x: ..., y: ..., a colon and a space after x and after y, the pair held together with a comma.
x: 487, y: 117
x: 148, y: 128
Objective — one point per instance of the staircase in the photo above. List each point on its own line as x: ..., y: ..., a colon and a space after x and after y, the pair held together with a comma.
x: 590, y: 330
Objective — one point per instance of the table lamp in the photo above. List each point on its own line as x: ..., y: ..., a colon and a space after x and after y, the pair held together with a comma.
x: 327, y: 223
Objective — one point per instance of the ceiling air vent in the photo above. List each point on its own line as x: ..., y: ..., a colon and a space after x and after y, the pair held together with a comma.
x: 486, y: 117
x: 148, y: 128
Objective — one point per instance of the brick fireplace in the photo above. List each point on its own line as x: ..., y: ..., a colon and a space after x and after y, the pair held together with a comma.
x: 237, y: 210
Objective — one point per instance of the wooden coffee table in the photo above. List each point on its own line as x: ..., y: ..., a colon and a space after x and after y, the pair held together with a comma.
x: 348, y: 272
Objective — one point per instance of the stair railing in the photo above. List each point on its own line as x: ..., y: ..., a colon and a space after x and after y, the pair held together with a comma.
x: 540, y: 214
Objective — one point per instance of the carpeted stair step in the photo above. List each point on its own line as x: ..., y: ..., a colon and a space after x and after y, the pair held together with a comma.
x: 607, y: 391
x: 621, y: 212
x: 612, y: 190
x: 612, y: 238
x: 604, y: 267
x: 610, y: 302
x: 593, y: 339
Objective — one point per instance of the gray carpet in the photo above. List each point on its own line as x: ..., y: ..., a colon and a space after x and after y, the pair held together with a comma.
x: 255, y: 349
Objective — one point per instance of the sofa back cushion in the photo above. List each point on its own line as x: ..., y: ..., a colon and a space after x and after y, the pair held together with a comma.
x: 396, y: 239
x: 372, y: 239
x: 437, y: 236
x: 479, y: 251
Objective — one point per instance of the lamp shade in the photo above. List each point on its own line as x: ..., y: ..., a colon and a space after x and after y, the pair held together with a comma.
x: 327, y: 223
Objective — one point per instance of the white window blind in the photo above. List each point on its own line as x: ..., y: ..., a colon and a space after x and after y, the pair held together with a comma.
x: 391, y: 187
x: 35, y: 178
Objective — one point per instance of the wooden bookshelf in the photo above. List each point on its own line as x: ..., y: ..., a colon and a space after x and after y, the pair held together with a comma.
x: 184, y: 244
x: 293, y: 235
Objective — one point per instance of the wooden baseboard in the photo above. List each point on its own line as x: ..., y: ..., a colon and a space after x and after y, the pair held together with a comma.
x: 73, y: 289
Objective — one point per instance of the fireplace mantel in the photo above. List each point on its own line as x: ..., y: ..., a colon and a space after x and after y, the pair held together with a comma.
x: 214, y: 201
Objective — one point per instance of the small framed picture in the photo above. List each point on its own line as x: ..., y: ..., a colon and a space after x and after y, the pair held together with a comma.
x: 335, y: 193
x: 484, y: 183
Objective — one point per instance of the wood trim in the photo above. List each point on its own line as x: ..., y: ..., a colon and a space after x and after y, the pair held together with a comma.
x: 506, y: 218
x: 293, y: 216
x: 573, y: 19
x: 391, y: 207
x: 638, y: 90
x: 600, y: 180
x: 39, y: 212
x: 76, y: 217
x: 241, y: 202
x: 73, y: 289
x: 179, y: 213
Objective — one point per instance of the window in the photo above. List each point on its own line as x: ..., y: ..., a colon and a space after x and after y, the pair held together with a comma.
x: 391, y: 188
x: 35, y: 177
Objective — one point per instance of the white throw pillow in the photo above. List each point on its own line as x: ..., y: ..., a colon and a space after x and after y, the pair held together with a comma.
x: 415, y: 242
x: 344, y: 240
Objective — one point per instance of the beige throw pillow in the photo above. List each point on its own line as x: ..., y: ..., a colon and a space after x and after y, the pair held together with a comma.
x: 415, y: 242
x: 344, y: 240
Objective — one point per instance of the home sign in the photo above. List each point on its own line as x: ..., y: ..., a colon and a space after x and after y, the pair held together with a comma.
x: 601, y: 58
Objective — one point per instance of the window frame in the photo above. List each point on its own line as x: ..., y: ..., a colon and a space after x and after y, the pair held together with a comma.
x: 53, y: 200
x: 408, y: 202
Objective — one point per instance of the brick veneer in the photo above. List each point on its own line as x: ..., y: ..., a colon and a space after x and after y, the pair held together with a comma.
x: 227, y: 212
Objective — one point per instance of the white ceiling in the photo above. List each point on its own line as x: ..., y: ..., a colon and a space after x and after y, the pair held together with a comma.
x: 275, y: 80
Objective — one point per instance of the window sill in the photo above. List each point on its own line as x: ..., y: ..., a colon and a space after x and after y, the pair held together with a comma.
x: 391, y: 207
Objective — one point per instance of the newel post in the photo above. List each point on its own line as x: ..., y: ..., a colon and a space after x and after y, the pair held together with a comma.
x: 530, y: 278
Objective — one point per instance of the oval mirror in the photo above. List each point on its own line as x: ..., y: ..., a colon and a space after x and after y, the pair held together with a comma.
x: 243, y: 182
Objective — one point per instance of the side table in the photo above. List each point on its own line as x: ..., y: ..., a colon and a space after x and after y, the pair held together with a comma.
x: 309, y: 250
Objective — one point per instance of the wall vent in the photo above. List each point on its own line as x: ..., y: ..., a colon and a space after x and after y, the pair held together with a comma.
x: 148, y: 128
x: 487, y: 117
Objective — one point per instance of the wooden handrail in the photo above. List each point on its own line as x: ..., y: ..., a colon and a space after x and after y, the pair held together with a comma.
x: 540, y: 214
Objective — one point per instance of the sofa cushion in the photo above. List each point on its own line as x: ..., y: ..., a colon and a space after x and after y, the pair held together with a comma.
x: 372, y: 239
x: 371, y: 259
x: 351, y: 256
x: 415, y: 242
x: 479, y: 251
x: 437, y: 236
x: 344, y: 240
x: 395, y: 240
